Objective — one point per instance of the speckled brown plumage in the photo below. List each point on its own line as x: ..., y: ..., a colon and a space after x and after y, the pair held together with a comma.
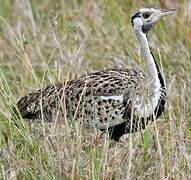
x: 83, y: 98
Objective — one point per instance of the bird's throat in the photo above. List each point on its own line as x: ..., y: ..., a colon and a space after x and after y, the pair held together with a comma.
x: 147, y: 56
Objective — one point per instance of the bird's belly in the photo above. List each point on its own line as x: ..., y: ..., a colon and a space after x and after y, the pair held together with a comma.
x: 98, y: 123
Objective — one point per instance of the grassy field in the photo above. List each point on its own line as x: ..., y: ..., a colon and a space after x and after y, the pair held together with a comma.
x: 43, y: 42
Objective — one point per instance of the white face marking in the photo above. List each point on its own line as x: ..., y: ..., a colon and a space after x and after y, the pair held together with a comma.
x: 116, y: 98
x: 154, y: 16
x: 142, y: 10
x: 138, y: 23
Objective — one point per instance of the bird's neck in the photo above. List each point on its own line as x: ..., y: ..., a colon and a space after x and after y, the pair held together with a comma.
x: 146, y: 54
x: 155, y: 81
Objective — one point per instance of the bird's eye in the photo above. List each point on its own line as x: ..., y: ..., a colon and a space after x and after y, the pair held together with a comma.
x: 146, y: 15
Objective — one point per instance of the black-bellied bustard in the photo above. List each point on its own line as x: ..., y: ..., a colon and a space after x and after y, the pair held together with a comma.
x: 117, y: 100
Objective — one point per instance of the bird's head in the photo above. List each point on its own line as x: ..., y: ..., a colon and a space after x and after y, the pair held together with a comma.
x: 145, y: 18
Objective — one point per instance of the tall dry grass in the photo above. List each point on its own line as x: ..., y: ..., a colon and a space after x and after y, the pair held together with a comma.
x: 41, y: 41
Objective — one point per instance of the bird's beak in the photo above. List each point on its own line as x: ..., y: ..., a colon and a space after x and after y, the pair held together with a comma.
x: 167, y: 12
x: 161, y: 13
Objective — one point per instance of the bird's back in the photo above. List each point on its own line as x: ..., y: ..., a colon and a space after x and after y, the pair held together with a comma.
x: 102, y: 99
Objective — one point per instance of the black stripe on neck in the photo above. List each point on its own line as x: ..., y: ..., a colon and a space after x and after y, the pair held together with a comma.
x: 161, y: 104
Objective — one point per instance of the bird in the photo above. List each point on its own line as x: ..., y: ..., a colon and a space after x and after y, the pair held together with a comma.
x: 115, y: 100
